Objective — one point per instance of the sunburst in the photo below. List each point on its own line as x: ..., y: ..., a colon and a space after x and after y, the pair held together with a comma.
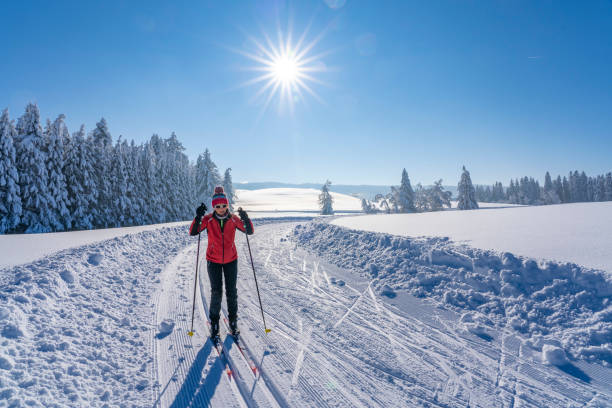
x: 287, y: 70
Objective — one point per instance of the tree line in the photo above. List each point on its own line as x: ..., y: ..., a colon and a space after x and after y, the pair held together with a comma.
x: 405, y: 199
x: 574, y: 188
x: 51, y: 180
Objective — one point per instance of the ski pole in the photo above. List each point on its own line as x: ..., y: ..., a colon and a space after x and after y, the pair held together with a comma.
x: 257, y: 287
x: 195, y: 285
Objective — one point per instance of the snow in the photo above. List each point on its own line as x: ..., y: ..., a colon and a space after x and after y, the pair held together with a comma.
x: 75, y: 326
x: 292, y: 199
x: 544, y: 301
x: 358, y: 318
x: 580, y: 233
x: 554, y: 355
x: 17, y: 249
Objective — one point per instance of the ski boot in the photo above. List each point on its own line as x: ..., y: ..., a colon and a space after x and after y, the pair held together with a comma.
x: 234, y: 330
x: 214, y: 332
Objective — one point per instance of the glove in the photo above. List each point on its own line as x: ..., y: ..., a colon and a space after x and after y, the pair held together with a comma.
x: 201, y: 210
x: 243, y: 215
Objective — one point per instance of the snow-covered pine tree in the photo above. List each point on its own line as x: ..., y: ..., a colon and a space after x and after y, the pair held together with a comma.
x: 55, y: 135
x: 147, y: 184
x: 600, y: 189
x: 207, y: 177
x: 103, y: 147
x: 10, y: 200
x: 134, y: 184
x: 405, y: 195
x: 326, y: 200
x: 558, y: 186
x: 119, y: 182
x: 466, y: 199
x: 421, y: 201
x: 31, y: 166
x: 80, y: 181
x: 383, y: 202
x: 608, y: 187
x: 367, y: 207
x: 549, y: 195
x: 438, y: 197
x: 228, y: 186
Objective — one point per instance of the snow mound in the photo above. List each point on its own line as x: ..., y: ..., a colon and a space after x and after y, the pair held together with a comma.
x: 542, y: 300
x: 165, y: 328
x: 95, y: 259
x: 89, y: 344
x: 554, y: 355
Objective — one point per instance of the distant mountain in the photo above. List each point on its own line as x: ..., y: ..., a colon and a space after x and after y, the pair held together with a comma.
x: 361, y: 191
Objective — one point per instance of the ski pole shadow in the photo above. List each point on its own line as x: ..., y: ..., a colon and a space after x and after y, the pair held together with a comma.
x: 193, y: 392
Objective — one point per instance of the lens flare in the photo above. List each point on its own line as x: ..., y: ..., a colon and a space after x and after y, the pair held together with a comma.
x: 286, y: 70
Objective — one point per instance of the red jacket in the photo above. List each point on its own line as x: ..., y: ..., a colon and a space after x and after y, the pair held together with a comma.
x: 221, y: 247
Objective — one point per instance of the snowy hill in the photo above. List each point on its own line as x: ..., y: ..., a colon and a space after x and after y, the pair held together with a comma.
x: 292, y: 200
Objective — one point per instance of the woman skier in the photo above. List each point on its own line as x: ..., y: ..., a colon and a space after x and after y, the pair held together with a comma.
x: 221, y: 256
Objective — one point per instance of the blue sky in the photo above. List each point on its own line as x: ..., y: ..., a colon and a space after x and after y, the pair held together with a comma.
x: 508, y: 88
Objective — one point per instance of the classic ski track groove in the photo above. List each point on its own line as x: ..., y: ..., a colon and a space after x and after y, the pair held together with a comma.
x: 260, y: 388
x: 183, y: 387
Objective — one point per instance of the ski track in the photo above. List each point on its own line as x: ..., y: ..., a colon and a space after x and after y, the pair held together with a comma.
x: 336, y: 343
x: 395, y: 358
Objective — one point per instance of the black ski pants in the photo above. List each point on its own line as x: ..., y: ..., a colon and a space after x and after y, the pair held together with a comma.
x: 216, y: 272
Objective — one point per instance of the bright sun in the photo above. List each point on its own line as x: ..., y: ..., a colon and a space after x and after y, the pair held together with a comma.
x: 286, y: 70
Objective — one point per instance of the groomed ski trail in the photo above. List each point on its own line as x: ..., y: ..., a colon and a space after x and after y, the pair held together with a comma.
x: 336, y: 343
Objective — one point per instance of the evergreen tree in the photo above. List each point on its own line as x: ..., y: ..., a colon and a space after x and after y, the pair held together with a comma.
x: 120, y: 203
x: 405, y: 197
x: 55, y: 136
x: 367, y: 207
x: 466, y: 199
x: 103, y: 146
x: 32, y: 169
x: 438, y: 197
x: 558, y: 187
x: 80, y: 181
x: 137, y: 199
x: 207, y: 177
x: 228, y: 186
x: 326, y: 200
x: 10, y: 200
x: 567, y: 193
x: 608, y: 187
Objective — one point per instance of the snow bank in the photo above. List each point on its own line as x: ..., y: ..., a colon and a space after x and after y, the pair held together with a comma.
x: 16, y: 249
x: 578, y: 232
x: 75, y: 327
x: 546, y: 301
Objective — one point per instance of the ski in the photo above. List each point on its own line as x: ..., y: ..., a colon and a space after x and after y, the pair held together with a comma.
x: 218, y: 345
x: 241, y: 347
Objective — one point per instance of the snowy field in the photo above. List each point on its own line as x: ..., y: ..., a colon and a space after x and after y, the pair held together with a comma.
x: 104, y: 325
x: 579, y: 233
x: 20, y: 248
x: 292, y: 199
x: 358, y: 318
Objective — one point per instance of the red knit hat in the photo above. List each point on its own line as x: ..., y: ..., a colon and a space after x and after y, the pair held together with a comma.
x: 219, y: 197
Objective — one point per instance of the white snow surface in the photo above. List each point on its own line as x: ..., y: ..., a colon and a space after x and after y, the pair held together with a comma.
x: 16, y: 249
x: 548, y: 302
x: 105, y: 324
x: 292, y: 199
x: 580, y: 233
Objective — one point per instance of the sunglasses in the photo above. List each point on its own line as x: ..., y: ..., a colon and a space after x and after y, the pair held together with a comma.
x: 221, y: 206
